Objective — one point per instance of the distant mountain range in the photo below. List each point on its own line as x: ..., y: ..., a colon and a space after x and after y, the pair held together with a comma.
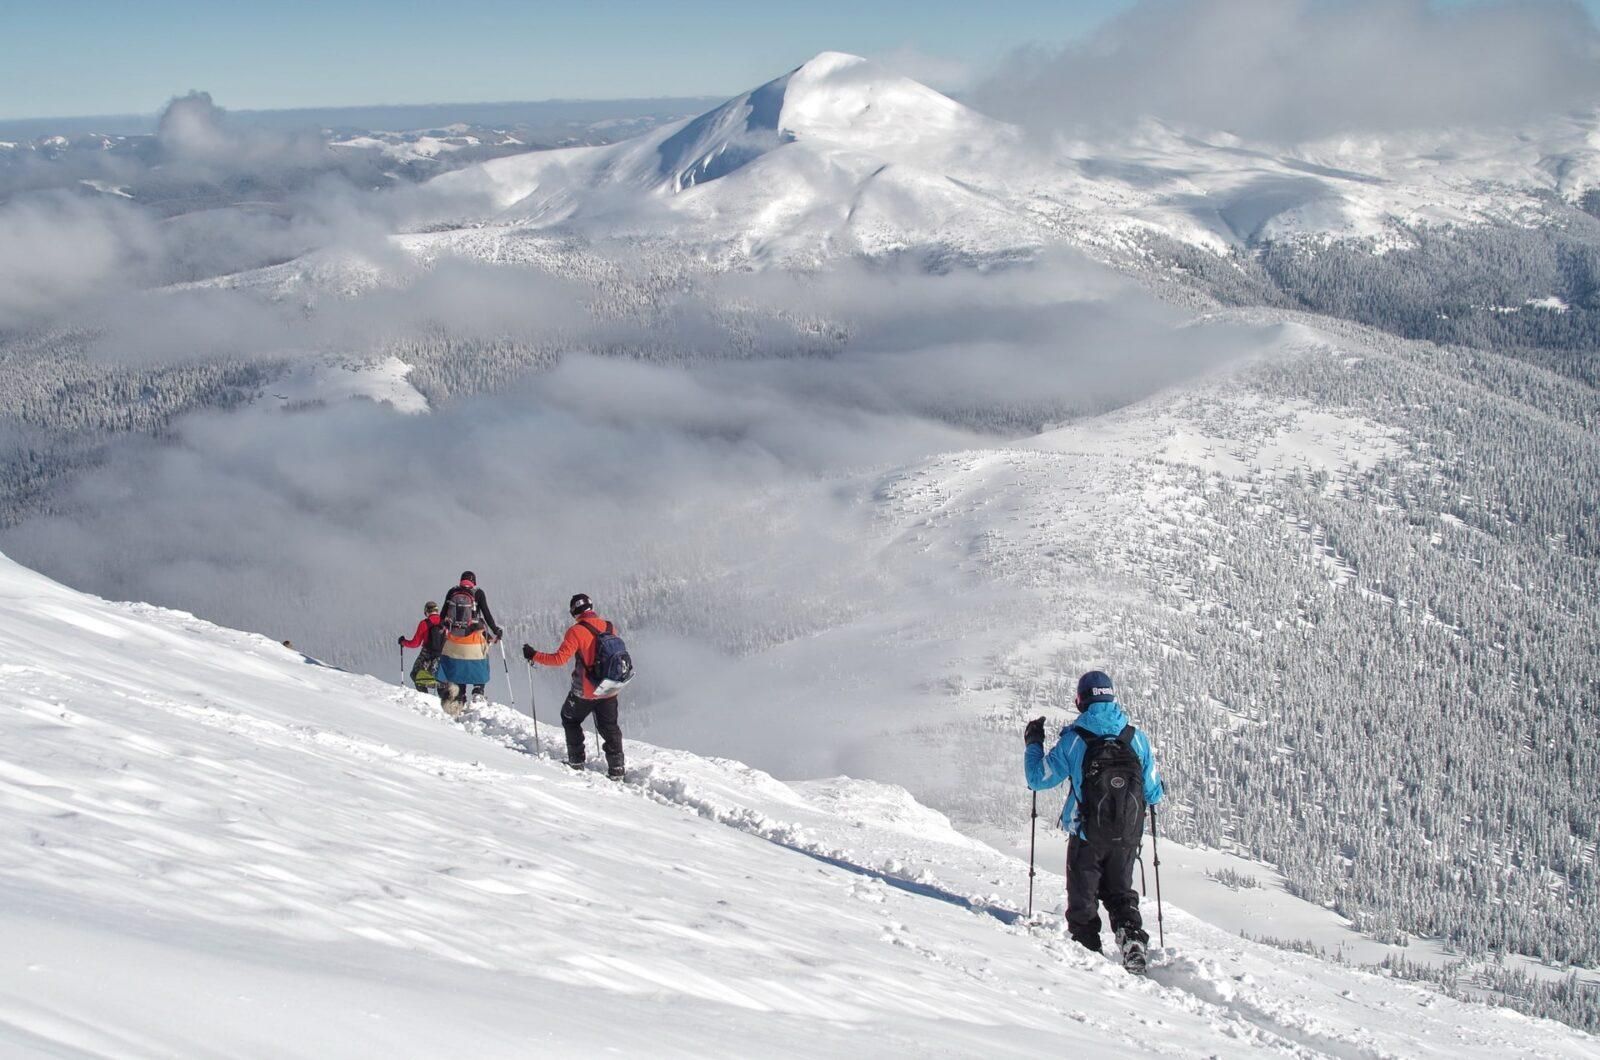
x: 552, y: 115
x: 1482, y: 237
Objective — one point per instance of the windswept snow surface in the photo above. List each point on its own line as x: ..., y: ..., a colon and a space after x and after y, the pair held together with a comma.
x: 214, y: 845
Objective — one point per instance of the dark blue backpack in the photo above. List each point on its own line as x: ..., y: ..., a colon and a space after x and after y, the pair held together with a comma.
x: 613, y: 666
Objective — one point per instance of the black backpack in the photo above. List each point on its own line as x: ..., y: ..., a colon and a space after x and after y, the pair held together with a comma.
x: 460, y: 611
x: 435, y: 642
x: 1111, y: 803
x: 613, y: 666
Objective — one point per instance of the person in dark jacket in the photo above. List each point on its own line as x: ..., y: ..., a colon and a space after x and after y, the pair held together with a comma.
x: 579, y: 646
x: 429, y: 636
x: 1096, y: 873
x: 469, y: 630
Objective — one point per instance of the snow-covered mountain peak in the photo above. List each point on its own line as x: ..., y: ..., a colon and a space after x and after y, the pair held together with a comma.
x: 835, y: 98
x: 721, y: 140
x: 835, y: 156
x: 827, y: 63
x: 847, y: 99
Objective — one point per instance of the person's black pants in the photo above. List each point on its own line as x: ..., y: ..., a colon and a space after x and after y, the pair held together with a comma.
x: 1101, y: 875
x: 575, y: 711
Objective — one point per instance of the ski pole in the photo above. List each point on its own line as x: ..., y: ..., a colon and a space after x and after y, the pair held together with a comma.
x: 1066, y: 880
x: 402, y: 667
x: 1033, y: 834
x: 533, y: 708
x: 1142, y: 888
x: 1155, y: 851
x: 511, y: 689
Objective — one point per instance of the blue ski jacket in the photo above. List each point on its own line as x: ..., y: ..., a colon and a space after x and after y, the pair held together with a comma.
x: 1065, y: 760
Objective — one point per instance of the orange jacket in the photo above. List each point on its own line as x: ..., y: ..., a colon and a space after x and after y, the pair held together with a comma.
x: 579, y: 646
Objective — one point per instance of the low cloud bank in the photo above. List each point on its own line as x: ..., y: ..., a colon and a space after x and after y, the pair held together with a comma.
x: 717, y: 506
x: 1292, y: 70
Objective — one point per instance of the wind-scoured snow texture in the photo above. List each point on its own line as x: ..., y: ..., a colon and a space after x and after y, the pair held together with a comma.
x: 213, y: 845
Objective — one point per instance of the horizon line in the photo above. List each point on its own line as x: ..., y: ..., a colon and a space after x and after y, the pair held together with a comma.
x: 151, y: 115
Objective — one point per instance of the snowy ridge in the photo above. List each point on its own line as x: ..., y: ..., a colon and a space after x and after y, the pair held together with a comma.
x: 840, y: 158
x: 785, y: 171
x: 213, y: 844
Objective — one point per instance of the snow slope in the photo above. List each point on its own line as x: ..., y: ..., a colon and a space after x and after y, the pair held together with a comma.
x: 213, y: 845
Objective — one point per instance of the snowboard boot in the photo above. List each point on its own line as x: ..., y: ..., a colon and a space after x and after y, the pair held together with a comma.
x: 1133, y: 952
x: 615, y: 773
x: 576, y: 767
x: 479, y: 699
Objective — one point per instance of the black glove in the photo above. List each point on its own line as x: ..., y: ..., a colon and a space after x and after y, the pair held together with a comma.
x: 527, y: 652
x: 402, y: 642
x: 1034, y: 733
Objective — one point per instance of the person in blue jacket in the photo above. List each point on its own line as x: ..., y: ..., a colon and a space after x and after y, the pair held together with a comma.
x: 1100, y: 853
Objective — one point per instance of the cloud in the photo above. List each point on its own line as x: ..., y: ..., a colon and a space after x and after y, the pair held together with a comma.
x: 82, y: 233
x: 194, y: 130
x: 710, y: 500
x: 1292, y: 70
x: 56, y: 251
x: 191, y: 127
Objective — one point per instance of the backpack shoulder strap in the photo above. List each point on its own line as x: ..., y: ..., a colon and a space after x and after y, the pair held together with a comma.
x: 1125, y: 737
x: 597, y: 632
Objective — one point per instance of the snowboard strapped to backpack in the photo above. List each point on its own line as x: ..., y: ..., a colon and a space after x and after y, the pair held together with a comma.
x: 613, y: 666
x: 461, y: 611
x: 1111, y: 804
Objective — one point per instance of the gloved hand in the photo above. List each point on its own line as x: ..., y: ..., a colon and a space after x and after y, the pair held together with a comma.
x: 400, y: 641
x: 527, y: 652
x: 1034, y: 733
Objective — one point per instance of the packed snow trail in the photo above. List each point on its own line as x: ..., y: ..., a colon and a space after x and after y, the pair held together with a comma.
x: 213, y: 847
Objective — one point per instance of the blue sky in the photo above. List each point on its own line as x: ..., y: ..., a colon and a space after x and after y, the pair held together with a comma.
x: 80, y: 57
x: 72, y: 57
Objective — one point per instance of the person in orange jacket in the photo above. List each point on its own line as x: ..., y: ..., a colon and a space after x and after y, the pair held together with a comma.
x: 579, y: 647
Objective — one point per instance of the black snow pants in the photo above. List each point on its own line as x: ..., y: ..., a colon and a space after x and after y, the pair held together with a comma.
x: 575, y: 711
x: 1097, y: 875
